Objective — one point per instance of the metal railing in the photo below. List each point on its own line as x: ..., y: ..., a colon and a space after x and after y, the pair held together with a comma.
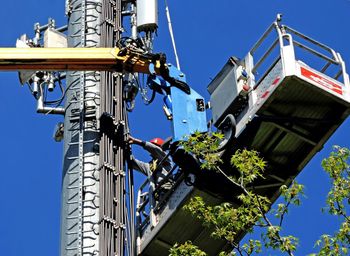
x: 258, y: 65
x: 151, y: 199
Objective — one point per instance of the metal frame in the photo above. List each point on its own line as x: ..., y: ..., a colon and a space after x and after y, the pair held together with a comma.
x: 151, y: 218
x: 147, y: 204
x: 43, y: 82
x: 285, y: 41
x: 287, y: 52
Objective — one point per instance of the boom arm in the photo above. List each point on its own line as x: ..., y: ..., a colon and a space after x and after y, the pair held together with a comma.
x: 79, y: 59
x: 83, y: 59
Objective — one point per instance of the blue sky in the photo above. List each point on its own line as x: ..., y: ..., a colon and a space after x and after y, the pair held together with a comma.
x: 207, y: 33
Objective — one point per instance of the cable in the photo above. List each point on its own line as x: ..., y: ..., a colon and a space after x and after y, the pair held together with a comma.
x: 59, y: 101
x: 145, y: 98
x: 143, y: 91
x: 63, y: 95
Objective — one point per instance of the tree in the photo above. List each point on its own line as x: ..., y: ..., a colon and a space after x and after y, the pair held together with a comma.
x: 227, y: 221
x: 338, y: 201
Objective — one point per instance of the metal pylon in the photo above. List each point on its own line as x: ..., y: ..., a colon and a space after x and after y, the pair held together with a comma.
x: 94, y: 212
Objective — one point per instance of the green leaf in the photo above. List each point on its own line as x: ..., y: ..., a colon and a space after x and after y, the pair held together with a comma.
x: 186, y: 249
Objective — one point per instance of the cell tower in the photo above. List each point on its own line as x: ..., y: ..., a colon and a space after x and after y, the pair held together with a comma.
x: 252, y: 109
x: 95, y: 218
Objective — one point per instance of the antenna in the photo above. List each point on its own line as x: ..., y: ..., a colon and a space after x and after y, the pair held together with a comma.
x: 172, y: 34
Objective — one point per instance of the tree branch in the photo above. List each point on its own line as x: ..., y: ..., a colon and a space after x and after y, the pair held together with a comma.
x: 284, y: 212
x: 277, y: 234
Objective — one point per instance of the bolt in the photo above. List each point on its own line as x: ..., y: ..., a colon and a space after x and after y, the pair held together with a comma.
x: 96, y: 147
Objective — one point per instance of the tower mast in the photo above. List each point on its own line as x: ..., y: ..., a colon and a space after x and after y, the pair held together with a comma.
x: 94, y: 216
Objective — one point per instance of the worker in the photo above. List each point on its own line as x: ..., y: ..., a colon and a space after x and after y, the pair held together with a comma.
x: 160, y: 165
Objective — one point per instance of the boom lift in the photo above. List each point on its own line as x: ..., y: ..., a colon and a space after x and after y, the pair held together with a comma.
x: 287, y: 112
x: 280, y: 106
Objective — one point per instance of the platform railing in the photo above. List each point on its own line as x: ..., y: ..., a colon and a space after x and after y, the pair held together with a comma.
x: 285, y: 43
x: 149, y: 201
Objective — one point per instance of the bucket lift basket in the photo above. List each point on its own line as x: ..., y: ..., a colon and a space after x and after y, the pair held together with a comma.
x: 299, y: 95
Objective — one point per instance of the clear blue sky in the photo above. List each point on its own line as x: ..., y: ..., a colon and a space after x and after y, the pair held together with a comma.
x: 207, y: 33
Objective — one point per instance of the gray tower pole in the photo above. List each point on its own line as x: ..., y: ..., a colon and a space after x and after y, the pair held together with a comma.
x: 80, y: 186
x: 93, y: 215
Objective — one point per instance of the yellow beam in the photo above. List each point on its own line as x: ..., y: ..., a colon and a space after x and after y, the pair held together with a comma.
x: 81, y: 59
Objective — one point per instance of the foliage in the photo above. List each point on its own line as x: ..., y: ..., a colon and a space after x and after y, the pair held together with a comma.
x: 249, y: 165
x: 338, y: 201
x: 204, y: 146
x: 227, y: 220
x: 186, y: 249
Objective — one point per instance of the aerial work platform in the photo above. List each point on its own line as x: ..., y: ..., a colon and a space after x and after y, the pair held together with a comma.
x: 286, y: 106
x: 296, y: 116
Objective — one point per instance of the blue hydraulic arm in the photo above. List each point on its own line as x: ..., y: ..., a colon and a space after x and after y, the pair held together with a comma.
x: 182, y: 105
